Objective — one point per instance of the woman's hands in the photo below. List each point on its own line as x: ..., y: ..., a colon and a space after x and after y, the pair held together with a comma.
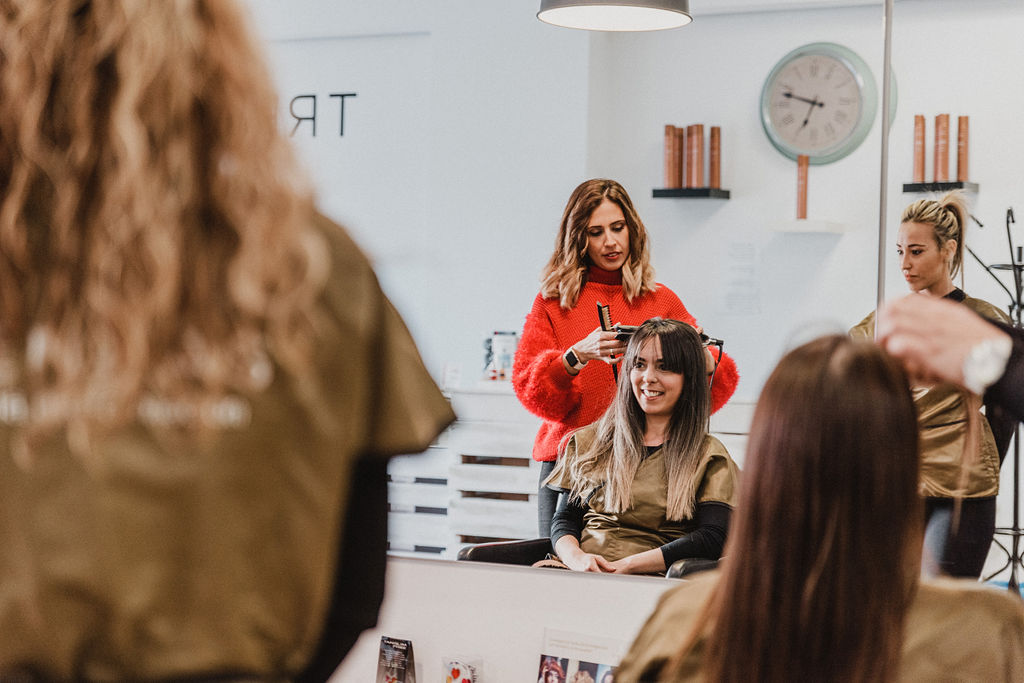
x: 647, y: 562
x: 568, y: 550
x: 600, y: 345
x: 587, y: 562
x: 575, y: 558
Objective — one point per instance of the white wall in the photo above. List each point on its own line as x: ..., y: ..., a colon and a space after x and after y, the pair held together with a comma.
x: 498, y: 101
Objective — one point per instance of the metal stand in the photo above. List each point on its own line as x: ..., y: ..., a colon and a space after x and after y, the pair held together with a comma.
x: 1014, y: 554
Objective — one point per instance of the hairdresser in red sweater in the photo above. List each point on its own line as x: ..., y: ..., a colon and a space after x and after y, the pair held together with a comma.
x: 563, y: 366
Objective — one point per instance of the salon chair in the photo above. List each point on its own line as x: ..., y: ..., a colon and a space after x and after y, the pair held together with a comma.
x: 535, y: 549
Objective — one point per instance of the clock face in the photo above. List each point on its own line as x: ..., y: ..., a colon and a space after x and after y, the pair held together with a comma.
x: 819, y: 100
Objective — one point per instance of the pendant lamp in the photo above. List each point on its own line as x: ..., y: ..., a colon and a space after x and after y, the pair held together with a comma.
x: 616, y: 15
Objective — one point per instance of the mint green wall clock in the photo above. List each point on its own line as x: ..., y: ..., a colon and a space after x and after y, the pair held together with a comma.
x: 819, y: 100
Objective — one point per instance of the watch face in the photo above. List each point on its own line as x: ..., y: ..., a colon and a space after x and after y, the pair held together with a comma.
x: 819, y: 100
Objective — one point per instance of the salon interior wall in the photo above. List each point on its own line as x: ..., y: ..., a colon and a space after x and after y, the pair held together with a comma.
x: 472, y: 122
x: 466, y: 134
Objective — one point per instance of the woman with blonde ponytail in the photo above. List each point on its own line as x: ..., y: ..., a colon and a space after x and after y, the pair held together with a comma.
x: 601, y: 256
x: 195, y: 367
x: 961, y: 452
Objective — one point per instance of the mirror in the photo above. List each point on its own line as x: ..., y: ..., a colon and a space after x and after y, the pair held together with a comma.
x: 447, y: 139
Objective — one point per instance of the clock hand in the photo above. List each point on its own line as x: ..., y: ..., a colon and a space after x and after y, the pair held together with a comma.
x: 813, y: 102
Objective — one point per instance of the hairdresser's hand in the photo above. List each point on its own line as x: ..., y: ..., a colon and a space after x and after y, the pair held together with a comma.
x: 600, y: 345
x: 932, y: 336
x: 709, y: 359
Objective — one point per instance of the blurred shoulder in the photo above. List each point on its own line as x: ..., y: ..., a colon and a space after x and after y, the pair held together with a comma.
x: 939, y: 596
x: 865, y: 329
x: 342, y: 249
x: 985, y: 309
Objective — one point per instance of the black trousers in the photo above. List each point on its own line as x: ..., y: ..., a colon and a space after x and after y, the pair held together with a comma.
x: 546, y: 501
x: 959, y: 546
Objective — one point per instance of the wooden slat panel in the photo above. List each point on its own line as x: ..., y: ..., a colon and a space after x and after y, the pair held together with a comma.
x: 493, y: 518
x: 492, y: 478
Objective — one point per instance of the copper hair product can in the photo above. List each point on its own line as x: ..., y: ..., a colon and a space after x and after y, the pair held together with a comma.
x: 680, y: 156
x: 961, y: 149
x: 918, y: 148
x: 691, y: 161
x: 670, y: 160
x: 941, y: 148
x: 698, y: 156
x: 715, y: 158
x: 802, y: 162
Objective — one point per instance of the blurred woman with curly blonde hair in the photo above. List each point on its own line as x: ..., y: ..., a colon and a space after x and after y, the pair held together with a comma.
x: 188, y: 359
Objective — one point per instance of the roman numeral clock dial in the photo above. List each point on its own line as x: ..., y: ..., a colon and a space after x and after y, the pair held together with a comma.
x: 819, y: 100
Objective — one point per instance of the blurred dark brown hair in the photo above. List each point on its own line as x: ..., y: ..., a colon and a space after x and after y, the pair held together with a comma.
x: 823, y: 558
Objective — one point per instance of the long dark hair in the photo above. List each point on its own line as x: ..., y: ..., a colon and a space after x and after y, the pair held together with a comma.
x: 822, y: 558
x: 619, y: 444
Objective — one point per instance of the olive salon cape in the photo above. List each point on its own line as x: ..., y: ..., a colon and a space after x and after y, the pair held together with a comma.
x: 169, y: 554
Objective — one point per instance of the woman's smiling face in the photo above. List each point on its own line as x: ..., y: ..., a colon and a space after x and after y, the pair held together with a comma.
x: 656, y: 389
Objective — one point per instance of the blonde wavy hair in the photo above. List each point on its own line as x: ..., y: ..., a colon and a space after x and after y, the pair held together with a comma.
x: 948, y: 217
x: 153, y: 222
x: 566, y: 272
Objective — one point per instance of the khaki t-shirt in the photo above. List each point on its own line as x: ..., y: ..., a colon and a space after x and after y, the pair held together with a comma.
x: 942, y: 419
x: 956, y: 630
x: 644, y: 524
x: 167, y: 555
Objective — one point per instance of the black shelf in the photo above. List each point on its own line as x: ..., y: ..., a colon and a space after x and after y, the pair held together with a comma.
x: 940, y: 187
x: 687, y: 192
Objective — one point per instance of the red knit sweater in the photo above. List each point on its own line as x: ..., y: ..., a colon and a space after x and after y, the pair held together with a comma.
x: 567, y: 403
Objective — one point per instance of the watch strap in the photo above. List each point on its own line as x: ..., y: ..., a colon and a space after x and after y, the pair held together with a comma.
x: 573, y: 361
x: 986, y: 362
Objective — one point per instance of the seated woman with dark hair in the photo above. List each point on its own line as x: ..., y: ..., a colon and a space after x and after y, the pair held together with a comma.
x: 647, y: 485
x: 822, y: 576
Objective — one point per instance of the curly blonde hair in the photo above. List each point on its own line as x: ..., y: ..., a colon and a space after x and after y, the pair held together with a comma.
x: 566, y: 271
x: 154, y: 230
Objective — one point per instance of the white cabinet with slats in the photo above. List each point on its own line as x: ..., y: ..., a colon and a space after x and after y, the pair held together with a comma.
x: 492, y: 480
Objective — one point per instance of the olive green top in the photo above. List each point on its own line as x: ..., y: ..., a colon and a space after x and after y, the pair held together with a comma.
x: 942, y: 419
x: 956, y: 630
x: 167, y: 555
x: 644, y: 525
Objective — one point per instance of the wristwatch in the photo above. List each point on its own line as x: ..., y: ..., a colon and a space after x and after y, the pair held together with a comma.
x: 573, y: 361
x: 986, y: 362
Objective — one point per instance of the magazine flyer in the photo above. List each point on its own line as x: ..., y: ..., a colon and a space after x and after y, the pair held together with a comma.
x: 395, y: 663
x: 569, y: 657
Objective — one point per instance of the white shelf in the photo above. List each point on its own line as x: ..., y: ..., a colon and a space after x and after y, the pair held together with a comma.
x: 811, y: 225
